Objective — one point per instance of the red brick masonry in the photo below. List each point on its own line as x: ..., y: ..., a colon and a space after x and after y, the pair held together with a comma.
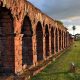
x: 28, y: 36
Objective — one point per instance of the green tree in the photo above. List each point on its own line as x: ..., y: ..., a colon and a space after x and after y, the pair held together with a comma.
x: 73, y: 28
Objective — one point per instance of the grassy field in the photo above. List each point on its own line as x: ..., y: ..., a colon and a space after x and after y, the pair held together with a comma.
x: 59, y: 70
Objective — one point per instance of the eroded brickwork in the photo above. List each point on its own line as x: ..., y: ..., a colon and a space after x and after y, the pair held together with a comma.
x: 27, y: 36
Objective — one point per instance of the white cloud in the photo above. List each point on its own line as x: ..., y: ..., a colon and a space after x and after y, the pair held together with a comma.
x: 77, y: 30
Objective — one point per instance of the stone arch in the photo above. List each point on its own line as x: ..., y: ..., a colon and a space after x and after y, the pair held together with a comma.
x: 39, y: 38
x: 52, y: 40
x: 56, y: 39
x: 27, y: 51
x: 7, y: 64
x: 47, y: 40
x: 66, y: 39
x: 59, y: 39
x: 62, y: 40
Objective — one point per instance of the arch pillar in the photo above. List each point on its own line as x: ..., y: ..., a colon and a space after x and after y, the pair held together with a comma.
x: 64, y: 39
x: 54, y: 42
x: 61, y: 41
x: 67, y: 39
x: 44, y: 47
x: 18, y: 52
x: 34, y: 48
x: 58, y: 40
x: 18, y: 46
x: 50, y: 43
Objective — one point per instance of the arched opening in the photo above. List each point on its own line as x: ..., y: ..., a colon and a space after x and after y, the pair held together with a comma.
x: 62, y: 40
x: 52, y: 40
x: 6, y: 42
x: 39, y: 38
x: 59, y: 39
x: 56, y: 33
x: 27, y: 51
x: 66, y: 39
x: 47, y: 40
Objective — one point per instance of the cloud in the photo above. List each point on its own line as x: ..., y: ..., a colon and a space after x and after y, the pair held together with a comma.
x: 77, y: 30
x: 68, y: 11
x: 72, y: 20
x: 58, y: 9
x: 61, y: 9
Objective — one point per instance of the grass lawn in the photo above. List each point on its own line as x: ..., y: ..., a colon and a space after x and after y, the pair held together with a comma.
x: 59, y: 70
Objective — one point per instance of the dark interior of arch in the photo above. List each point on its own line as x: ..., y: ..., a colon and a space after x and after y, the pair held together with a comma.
x: 27, y: 52
x: 56, y: 33
x: 6, y: 41
x: 39, y: 37
x: 59, y: 39
x: 52, y: 40
x: 47, y: 40
x: 62, y: 39
x: 66, y: 39
x: 27, y: 26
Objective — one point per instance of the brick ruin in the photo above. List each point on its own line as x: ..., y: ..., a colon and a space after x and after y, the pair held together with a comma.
x: 28, y: 36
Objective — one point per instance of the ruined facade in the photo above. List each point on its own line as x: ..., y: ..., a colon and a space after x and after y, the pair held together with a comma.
x: 28, y: 36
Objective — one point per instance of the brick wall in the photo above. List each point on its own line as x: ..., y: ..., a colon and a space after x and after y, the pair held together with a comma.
x: 20, y: 40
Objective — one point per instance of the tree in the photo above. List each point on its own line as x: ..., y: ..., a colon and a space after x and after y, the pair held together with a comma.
x: 74, y: 27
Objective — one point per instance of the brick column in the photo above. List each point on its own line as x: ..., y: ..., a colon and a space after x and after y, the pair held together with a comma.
x: 54, y: 41
x: 50, y: 43
x: 44, y: 50
x: 58, y: 41
x: 18, y: 52
x: 64, y: 40
x: 67, y: 39
x: 34, y: 49
x: 60, y: 44
x: 61, y: 40
x: 17, y: 45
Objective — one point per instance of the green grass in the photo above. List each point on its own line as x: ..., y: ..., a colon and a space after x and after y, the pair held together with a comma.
x: 59, y: 70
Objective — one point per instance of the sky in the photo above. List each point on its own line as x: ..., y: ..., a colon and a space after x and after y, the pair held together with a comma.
x: 67, y: 11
